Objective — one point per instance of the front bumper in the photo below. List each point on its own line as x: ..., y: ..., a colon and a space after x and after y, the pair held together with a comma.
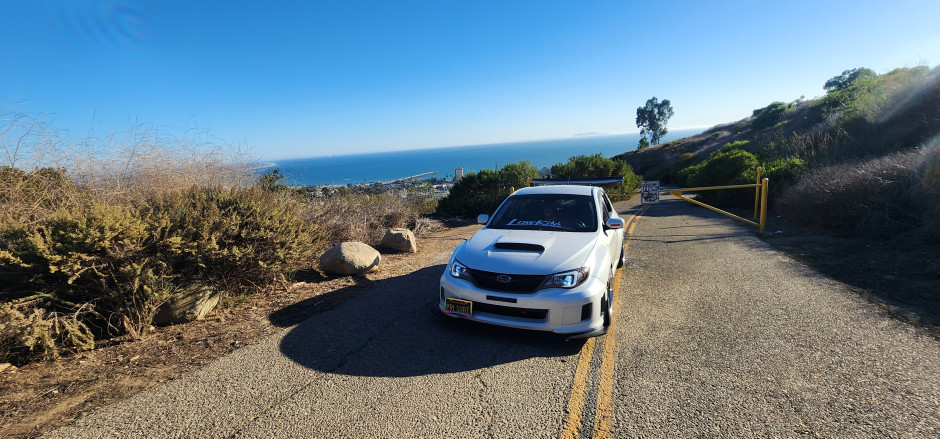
x: 562, y: 311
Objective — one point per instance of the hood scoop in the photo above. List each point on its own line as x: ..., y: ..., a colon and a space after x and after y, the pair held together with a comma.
x: 519, y: 246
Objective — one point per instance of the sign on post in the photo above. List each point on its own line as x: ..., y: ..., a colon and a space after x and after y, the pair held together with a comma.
x: 649, y: 192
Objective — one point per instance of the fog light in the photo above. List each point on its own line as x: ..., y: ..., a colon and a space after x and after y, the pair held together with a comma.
x: 586, y: 311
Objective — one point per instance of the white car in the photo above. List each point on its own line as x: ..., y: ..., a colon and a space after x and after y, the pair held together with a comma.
x: 545, y: 261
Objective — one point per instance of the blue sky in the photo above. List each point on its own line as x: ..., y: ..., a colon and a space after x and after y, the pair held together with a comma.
x: 313, y: 78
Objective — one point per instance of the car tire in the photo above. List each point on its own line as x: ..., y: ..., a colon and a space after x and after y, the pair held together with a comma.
x: 623, y: 257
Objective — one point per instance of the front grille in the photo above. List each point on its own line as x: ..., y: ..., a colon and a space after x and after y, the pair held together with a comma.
x: 518, y: 283
x: 527, y: 313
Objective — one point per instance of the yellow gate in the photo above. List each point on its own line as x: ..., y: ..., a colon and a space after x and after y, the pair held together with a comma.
x: 760, y: 194
x: 760, y: 199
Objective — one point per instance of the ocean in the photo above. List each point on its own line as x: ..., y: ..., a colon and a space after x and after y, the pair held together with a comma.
x: 386, y: 166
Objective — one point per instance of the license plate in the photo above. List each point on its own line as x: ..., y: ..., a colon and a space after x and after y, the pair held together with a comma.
x: 458, y: 307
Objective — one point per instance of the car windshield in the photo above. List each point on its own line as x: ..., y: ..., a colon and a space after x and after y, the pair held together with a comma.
x: 560, y: 212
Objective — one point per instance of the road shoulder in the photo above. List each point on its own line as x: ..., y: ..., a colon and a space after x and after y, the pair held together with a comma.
x: 39, y: 397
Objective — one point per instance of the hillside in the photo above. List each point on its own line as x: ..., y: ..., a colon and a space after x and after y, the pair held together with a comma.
x: 854, y: 181
x: 870, y: 117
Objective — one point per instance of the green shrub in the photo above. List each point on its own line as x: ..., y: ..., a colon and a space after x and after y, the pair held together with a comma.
x: 239, y: 239
x: 28, y: 331
x: 82, y: 272
x: 782, y: 173
x: 96, y: 253
x: 731, y: 146
x: 687, y: 175
x: 722, y: 169
x: 597, y: 166
x: 769, y: 115
x: 866, y: 97
x: 684, y: 159
x: 273, y: 181
x: 858, y: 100
x: 483, y: 191
x: 877, y: 116
x: 103, y: 269
x: 847, y: 78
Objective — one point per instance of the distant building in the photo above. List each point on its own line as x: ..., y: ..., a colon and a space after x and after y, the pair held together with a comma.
x: 458, y: 173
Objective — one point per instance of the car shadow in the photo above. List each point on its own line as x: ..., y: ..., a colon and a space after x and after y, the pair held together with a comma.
x: 390, y: 328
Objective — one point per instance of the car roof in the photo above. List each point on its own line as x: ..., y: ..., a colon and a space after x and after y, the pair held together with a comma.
x: 567, y: 189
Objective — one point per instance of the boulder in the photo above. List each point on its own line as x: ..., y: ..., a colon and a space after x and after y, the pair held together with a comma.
x: 400, y: 239
x: 350, y: 258
x: 192, y: 302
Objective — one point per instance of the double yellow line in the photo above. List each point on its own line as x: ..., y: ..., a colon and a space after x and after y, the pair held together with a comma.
x: 603, y: 412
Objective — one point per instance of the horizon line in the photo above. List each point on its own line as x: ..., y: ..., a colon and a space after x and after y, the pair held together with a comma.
x: 544, y: 139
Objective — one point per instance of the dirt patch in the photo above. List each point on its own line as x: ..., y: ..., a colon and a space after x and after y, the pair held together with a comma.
x: 40, y: 397
x: 901, y: 276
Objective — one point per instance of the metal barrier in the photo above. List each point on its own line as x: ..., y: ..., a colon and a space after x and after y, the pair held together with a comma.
x: 760, y: 199
x: 760, y: 193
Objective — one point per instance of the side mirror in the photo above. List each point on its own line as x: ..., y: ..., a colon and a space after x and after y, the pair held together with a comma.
x: 484, y: 218
x: 614, y: 223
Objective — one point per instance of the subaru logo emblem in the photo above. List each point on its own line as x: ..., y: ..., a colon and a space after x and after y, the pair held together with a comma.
x: 503, y: 278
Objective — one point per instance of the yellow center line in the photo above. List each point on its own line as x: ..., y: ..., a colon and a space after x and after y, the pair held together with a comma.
x: 572, y: 425
x: 604, y: 412
x: 603, y: 415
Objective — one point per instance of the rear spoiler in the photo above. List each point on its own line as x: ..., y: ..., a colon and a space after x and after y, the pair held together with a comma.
x: 580, y: 181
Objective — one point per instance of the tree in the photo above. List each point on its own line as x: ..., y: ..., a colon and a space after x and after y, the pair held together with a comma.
x: 847, y: 78
x: 652, y: 118
x: 481, y: 192
x: 272, y: 180
x: 597, y: 166
x: 594, y: 166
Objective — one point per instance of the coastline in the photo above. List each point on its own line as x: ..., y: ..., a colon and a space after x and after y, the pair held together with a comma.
x: 440, y: 163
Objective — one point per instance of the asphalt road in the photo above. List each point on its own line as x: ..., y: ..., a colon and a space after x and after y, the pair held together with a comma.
x: 715, y: 335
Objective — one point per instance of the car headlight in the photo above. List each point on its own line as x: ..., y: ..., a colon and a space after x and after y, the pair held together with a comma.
x: 567, y: 279
x: 459, y: 270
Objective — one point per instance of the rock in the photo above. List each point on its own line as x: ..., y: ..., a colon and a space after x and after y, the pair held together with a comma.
x: 400, y: 239
x: 5, y: 366
x: 186, y: 304
x: 350, y: 258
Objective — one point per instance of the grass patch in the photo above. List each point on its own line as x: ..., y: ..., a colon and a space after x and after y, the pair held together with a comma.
x: 894, y: 196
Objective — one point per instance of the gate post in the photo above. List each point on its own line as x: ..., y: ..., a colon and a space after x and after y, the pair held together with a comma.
x: 757, y: 193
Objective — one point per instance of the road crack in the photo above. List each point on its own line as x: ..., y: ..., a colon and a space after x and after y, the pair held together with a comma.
x: 340, y: 364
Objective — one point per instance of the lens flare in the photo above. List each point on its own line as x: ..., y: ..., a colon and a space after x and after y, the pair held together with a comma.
x: 116, y: 24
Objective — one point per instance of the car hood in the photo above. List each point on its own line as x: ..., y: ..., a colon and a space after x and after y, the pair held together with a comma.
x: 526, y: 251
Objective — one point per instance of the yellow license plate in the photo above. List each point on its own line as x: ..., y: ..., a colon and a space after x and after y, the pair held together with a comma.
x: 458, y: 307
